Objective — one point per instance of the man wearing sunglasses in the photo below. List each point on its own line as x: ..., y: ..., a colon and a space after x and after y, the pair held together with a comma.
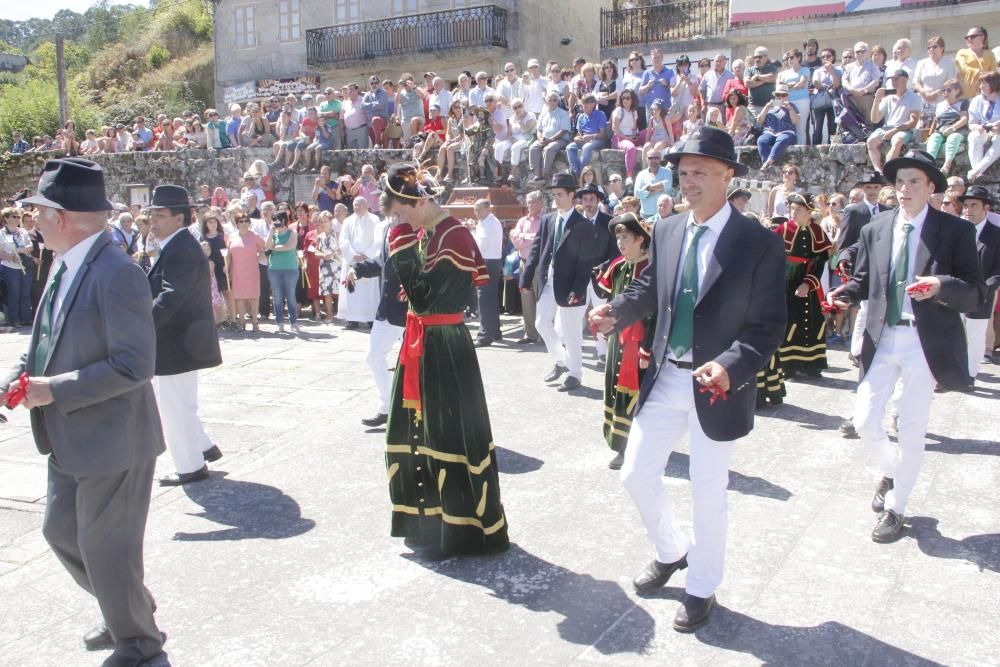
x: 760, y: 78
x: 860, y: 80
x: 376, y: 105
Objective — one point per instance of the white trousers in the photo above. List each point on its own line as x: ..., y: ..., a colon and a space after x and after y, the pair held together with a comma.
x: 177, y: 399
x: 857, y: 335
x: 383, y: 338
x: 593, y: 300
x: 899, y: 357
x: 566, y: 345
x: 668, y: 414
x: 515, y: 149
x: 981, y: 157
x: 975, y: 337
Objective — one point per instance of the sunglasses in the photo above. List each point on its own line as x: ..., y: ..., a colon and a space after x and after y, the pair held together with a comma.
x: 781, y: 94
x: 848, y: 57
x: 861, y: 50
x: 830, y: 57
x: 508, y: 71
x: 978, y: 34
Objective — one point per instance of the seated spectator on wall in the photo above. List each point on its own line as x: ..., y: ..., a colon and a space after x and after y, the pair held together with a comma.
x: 900, y: 110
x: 950, y: 126
x: 778, y: 118
x: 984, y: 126
x: 591, y: 135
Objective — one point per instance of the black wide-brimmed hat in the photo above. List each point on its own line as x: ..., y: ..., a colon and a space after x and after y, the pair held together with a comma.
x: 871, y: 178
x: 590, y: 189
x: 564, y: 181
x: 71, y: 184
x: 980, y: 193
x: 632, y: 222
x: 738, y: 192
x: 713, y: 143
x: 170, y: 196
x: 917, y: 159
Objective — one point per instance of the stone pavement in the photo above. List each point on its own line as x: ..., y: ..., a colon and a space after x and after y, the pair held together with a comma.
x: 284, y: 557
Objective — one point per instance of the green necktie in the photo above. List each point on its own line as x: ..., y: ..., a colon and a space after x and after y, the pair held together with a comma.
x: 900, y: 275
x: 559, y: 232
x: 45, y: 321
x: 682, y: 325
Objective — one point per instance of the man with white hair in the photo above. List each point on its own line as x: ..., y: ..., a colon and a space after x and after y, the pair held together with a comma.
x: 552, y: 134
x: 233, y: 124
x: 440, y: 97
x: 664, y: 207
x: 714, y: 83
x: 488, y: 231
x: 477, y: 96
x: 359, y: 301
x: 534, y: 88
x: 902, y: 59
x: 860, y: 79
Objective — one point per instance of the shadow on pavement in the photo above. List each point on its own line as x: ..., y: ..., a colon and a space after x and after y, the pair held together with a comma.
x: 678, y: 466
x: 516, y: 463
x: 809, y: 419
x: 830, y: 643
x: 588, y: 606
x: 982, y: 551
x: 945, y: 445
x: 255, y: 511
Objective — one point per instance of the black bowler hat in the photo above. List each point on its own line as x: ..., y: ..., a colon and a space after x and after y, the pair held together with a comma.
x: 71, y: 184
x: 564, y: 181
x: 170, y: 196
x: 978, y: 192
x: 871, y: 178
x: 710, y: 142
x: 632, y: 222
x: 590, y: 189
x: 921, y: 160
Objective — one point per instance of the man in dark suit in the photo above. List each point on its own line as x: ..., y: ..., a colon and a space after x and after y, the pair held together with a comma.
x: 854, y: 217
x: 716, y: 281
x: 918, y: 270
x: 92, y: 408
x: 590, y: 199
x: 186, y: 338
x: 389, y: 325
x: 566, y: 250
x: 976, y: 204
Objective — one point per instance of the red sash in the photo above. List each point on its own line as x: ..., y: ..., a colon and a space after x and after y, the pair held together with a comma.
x: 630, y: 339
x: 413, y: 350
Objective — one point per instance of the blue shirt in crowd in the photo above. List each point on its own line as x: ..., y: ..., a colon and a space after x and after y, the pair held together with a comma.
x: 664, y: 79
x: 592, y: 123
x: 647, y: 199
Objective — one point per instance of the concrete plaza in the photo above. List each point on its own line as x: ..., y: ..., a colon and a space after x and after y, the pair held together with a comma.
x: 283, y: 557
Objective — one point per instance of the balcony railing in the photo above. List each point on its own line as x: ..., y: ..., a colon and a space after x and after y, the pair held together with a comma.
x: 676, y: 21
x: 349, y: 44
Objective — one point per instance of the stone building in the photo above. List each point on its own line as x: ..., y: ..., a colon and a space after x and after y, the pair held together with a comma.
x: 304, y: 44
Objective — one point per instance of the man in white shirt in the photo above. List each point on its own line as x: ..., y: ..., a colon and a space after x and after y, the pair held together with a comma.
x: 358, y: 243
x: 901, y: 109
x: 488, y: 231
x: 552, y: 137
x: 902, y: 60
x: 534, y: 89
x: 441, y: 97
x: 509, y: 88
x: 477, y: 96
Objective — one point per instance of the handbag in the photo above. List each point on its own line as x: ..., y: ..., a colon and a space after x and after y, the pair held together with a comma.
x: 821, y: 101
x: 512, y: 265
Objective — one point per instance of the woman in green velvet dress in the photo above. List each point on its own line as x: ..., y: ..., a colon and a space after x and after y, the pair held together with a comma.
x: 442, y: 467
x: 629, y: 350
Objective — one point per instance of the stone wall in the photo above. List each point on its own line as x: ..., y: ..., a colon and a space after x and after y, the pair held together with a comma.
x: 833, y: 168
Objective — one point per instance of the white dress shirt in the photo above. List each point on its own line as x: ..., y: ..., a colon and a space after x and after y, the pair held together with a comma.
x: 489, y: 237
x: 897, y: 243
x: 706, y: 247
x: 73, y: 259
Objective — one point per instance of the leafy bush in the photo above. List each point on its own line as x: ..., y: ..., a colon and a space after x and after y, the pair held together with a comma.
x: 33, y: 109
x: 157, y: 56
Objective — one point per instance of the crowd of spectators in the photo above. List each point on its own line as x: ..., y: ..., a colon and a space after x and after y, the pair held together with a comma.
x: 510, y: 127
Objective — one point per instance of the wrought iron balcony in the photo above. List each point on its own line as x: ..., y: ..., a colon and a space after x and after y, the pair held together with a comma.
x: 348, y: 44
x: 675, y: 21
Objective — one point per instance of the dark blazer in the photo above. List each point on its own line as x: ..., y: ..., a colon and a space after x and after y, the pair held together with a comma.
x: 584, y: 246
x: 988, y: 245
x: 186, y: 338
x: 852, y: 219
x: 390, y: 308
x: 739, y: 319
x: 104, y: 417
x: 947, y: 249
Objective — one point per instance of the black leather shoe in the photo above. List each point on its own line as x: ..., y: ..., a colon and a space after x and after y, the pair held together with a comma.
x: 657, y: 574
x: 888, y: 528
x: 527, y: 341
x: 847, y: 429
x: 616, y: 463
x: 378, y: 420
x: 693, y: 613
x: 555, y: 373
x: 99, y: 638
x: 177, y: 479
x: 878, y: 500
x: 569, y: 384
x: 482, y: 342
x: 351, y: 326
x: 117, y: 660
x: 212, y: 454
